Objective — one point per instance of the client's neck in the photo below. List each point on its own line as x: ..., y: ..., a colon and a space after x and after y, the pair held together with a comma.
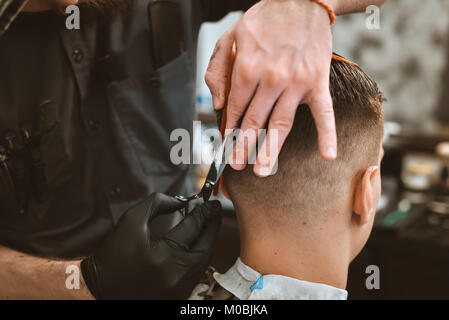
x: 313, y: 253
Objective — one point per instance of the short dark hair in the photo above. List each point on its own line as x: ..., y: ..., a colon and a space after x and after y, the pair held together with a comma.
x: 304, y: 181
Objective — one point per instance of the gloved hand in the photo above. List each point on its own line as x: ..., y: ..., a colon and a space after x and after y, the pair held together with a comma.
x: 129, y: 264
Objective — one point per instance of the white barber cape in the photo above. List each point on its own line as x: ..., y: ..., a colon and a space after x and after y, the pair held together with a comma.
x: 245, y: 283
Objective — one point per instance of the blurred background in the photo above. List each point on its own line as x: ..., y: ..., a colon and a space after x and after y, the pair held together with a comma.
x: 408, y: 56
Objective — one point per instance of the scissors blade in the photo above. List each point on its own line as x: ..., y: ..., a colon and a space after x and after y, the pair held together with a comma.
x: 218, y: 165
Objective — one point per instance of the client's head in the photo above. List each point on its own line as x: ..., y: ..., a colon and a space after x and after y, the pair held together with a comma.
x: 311, y: 203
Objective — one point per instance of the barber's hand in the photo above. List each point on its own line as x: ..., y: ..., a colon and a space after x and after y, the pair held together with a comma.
x: 131, y: 265
x: 284, y: 50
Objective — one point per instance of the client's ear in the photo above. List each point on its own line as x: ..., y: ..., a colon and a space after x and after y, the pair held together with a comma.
x: 366, y: 197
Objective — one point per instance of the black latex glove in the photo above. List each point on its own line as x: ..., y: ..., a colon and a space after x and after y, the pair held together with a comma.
x: 131, y: 265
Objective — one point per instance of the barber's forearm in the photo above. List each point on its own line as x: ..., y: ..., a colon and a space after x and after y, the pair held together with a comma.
x: 26, y: 277
x: 342, y: 7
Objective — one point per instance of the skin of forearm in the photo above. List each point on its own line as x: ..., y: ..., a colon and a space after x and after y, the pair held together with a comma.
x: 342, y: 7
x: 26, y: 277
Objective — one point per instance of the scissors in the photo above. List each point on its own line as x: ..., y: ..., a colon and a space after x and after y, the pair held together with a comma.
x: 216, y: 170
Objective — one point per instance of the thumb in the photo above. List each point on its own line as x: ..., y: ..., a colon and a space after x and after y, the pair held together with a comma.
x: 219, y: 71
x: 155, y: 204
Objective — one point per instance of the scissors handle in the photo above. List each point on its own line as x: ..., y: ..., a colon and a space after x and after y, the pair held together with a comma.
x: 205, y: 193
x: 188, y: 199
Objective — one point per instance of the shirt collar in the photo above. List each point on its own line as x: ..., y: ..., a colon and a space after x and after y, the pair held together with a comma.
x: 248, y: 284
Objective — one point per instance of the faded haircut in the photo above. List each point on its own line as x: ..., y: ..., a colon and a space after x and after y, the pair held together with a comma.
x: 305, y: 182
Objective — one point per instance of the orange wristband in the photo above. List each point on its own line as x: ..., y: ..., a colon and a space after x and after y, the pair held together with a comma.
x: 331, y: 12
x: 340, y: 58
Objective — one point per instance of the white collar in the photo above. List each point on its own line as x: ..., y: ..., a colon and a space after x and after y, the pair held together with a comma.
x: 248, y: 284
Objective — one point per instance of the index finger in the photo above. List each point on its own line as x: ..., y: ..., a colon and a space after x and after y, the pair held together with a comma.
x: 322, y: 110
x: 279, y: 126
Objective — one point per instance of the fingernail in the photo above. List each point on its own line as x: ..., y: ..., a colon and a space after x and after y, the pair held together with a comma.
x: 216, y: 102
x: 331, y: 153
x: 263, y: 170
x: 238, y: 167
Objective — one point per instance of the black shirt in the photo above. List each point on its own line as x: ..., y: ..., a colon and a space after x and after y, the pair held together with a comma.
x: 85, y: 122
